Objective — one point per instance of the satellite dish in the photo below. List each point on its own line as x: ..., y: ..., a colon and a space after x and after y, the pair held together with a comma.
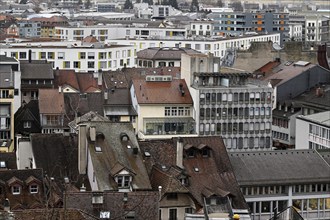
x: 277, y: 47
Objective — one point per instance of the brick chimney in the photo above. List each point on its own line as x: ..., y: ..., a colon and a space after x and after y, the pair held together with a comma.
x: 179, y: 152
x: 82, y: 149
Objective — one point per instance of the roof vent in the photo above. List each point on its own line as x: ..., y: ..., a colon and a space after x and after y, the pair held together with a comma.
x: 98, y: 149
x: 196, y: 169
x: 147, y: 154
x: 124, y: 137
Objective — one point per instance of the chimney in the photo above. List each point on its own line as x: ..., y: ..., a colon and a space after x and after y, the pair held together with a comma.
x: 82, y: 149
x: 59, y: 89
x: 30, y: 56
x: 106, y: 95
x: 82, y: 188
x: 179, y: 152
x: 285, y: 108
x: 99, y: 78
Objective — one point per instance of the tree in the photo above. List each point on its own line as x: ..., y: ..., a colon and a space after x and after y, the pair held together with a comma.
x: 128, y: 4
x: 194, y: 5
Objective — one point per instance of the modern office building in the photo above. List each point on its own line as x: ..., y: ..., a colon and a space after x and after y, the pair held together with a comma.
x: 314, y: 131
x: 228, y: 104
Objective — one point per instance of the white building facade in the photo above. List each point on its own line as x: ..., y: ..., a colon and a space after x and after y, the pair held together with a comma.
x: 74, y: 55
x: 313, y: 131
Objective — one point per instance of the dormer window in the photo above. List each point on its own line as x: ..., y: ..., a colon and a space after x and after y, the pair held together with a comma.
x: 16, y: 190
x: 123, y: 181
x: 184, y: 181
x: 27, y: 124
x: 191, y: 153
x: 34, y: 189
x: 206, y: 152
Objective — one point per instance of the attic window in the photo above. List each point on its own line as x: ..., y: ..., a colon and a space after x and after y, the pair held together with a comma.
x: 83, y: 96
x: 34, y: 189
x: 2, y: 164
x: 98, y: 149
x: 206, y: 152
x: 191, y: 153
x: 16, y: 190
x: 123, y: 181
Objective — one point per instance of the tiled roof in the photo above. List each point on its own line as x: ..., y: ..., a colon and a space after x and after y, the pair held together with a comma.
x: 51, y: 101
x: 36, y: 70
x: 149, y: 92
x: 57, y: 155
x: 164, y: 53
x: 9, y: 159
x: 66, y: 77
x: 90, y: 39
x: 215, y: 174
x: 89, y: 116
x: 143, y: 204
x: 279, y: 167
x: 116, y: 151
x: 87, y: 83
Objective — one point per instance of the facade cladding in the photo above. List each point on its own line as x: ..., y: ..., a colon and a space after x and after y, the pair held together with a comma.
x: 238, y: 23
x: 238, y: 111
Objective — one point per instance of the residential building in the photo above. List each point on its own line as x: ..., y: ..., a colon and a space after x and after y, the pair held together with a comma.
x: 36, y: 74
x: 164, y: 11
x: 284, y: 125
x: 24, y: 189
x: 162, y: 56
x: 228, y: 104
x: 10, y: 80
x: 314, y: 131
x: 52, y: 111
x: 164, y: 107
x: 325, y: 29
x: 79, y: 56
x: 295, y: 31
x: 194, y: 178
x: 48, y: 24
x: 29, y: 29
x: 271, y: 181
x: 27, y: 119
x: 217, y: 46
x: 202, y: 28
x: 239, y: 23
x: 156, y: 30
x: 107, y: 7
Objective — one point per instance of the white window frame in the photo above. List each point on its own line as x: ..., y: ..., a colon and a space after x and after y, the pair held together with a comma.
x: 16, y: 190
x: 34, y: 189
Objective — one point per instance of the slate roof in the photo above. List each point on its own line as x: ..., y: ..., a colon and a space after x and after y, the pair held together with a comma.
x: 24, y: 200
x: 215, y: 175
x: 116, y: 151
x: 161, y: 92
x: 144, y: 204
x: 320, y: 118
x: 279, y: 167
x: 4, y: 58
x: 36, y: 70
x: 123, y: 78
x: 310, y: 98
x: 57, y: 155
x: 9, y: 159
x: 27, y: 112
x: 89, y: 116
x: 164, y: 53
x: 51, y: 101
x: 6, y: 77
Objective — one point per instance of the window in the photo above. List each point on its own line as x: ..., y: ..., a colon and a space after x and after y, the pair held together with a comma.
x: 91, y: 55
x: 60, y: 55
x: 102, y: 55
x: 22, y: 55
x: 172, y: 214
x: 66, y: 64
x: 76, y: 64
x: 50, y: 55
x: 16, y: 190
x: 27, y: 124
x: 33, y: 189
x: 123, y: 181
x: 90, y: 64
x: 82, y: 55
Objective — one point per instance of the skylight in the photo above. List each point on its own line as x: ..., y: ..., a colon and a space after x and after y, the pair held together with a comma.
x: 98, y: 149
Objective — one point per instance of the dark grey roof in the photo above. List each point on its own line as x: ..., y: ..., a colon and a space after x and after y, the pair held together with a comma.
x: 279, y: 167
x: 114, y: 153
x: 57, y: 155
x: 164, y: 53
x: 6, y: 175
x: 6, y: 77
x: 36, y: 70
x: 9, y: 159
x: 4, y: 58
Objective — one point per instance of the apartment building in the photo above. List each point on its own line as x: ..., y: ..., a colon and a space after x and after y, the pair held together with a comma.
x: 81, y: 56
x: 29, y: 29
x: 314, y: 131
x: 202, y: 27
x: 104, y: 32
x: 10, y: 79
x: 217, y: 47
x: 228, y: 104
x: 238, y: 23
